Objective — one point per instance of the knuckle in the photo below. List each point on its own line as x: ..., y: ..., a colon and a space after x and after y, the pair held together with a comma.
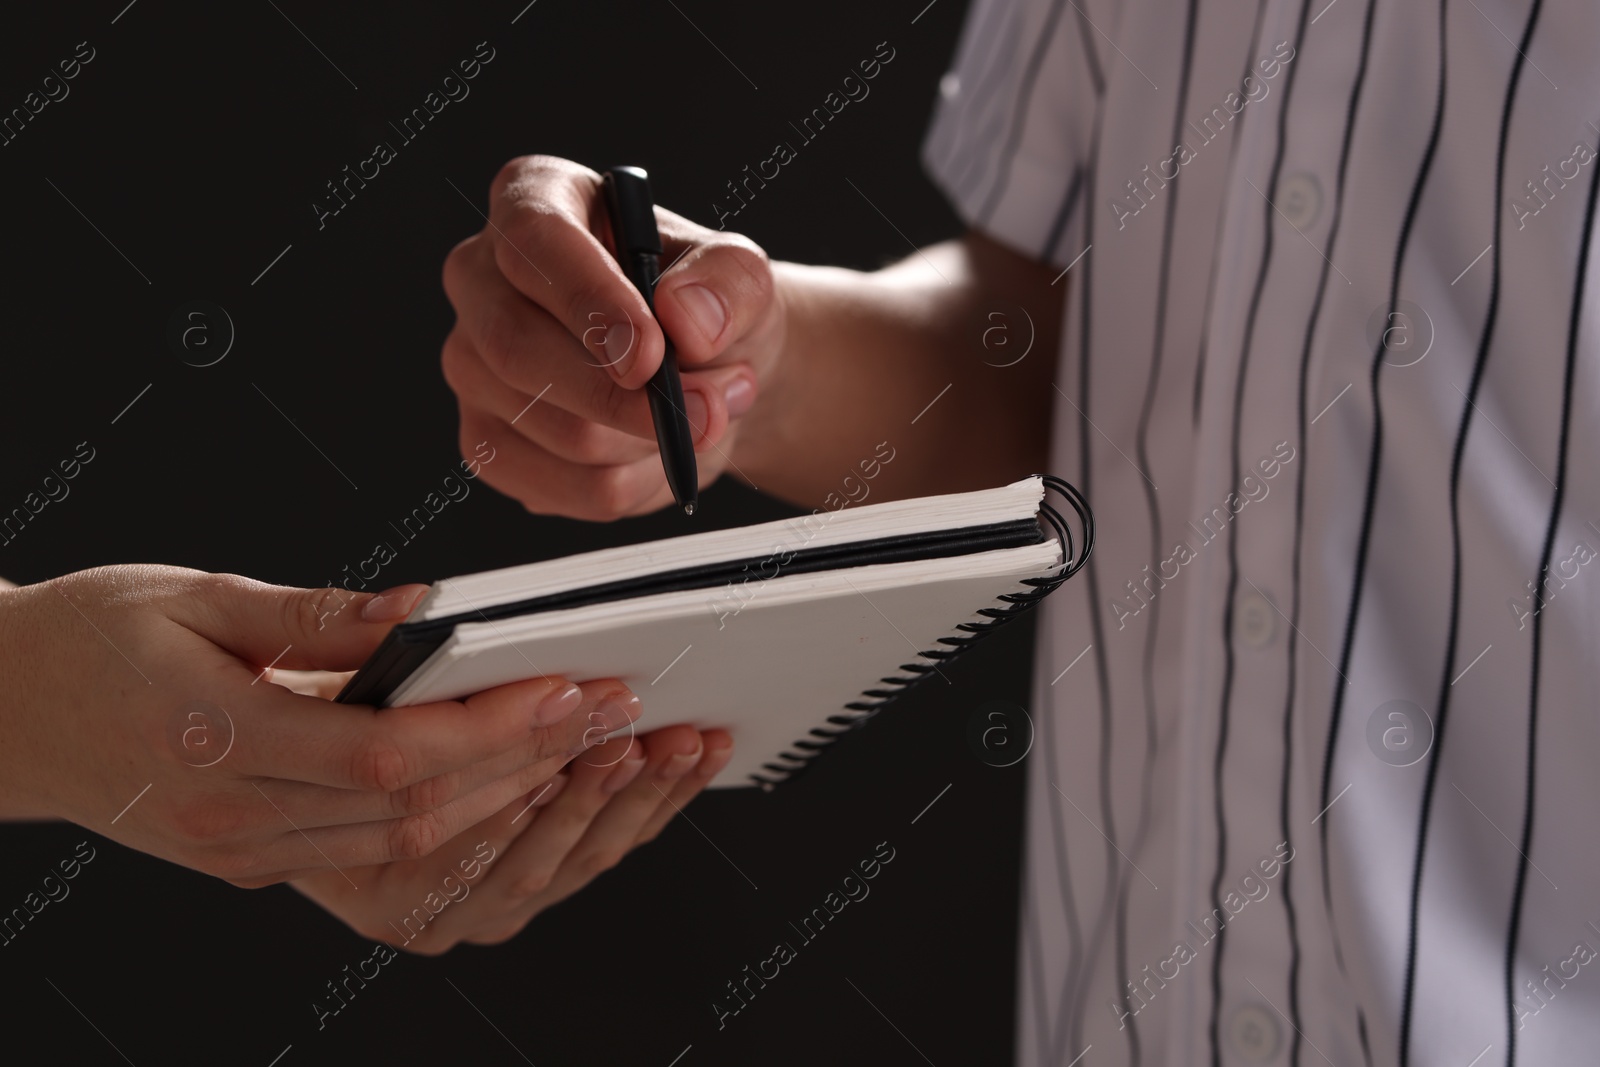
x: 612, y: 401
x: 301, y: 611
x: 587, y: 442
x: 216, y: 588
x: 748, y: 263
x: 600, y: 860
x: 513, y: 171
x: 322, y: 604
x: 530, y: 227
x: 610, y: 495
x: 416, y: 836
x: 468, y: 432
x: 531, y: 883
x: 525, y: 175
x: 453, y: 276
x: 453, y: 358
x: 207, y: 821
x: 426, y: 795
x: 235, y: 865
x: 380, y: 765
x: 502, y: 337
x: 217, y: 594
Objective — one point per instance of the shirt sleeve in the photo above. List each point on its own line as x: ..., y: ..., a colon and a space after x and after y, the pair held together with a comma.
x: 1011, y: 132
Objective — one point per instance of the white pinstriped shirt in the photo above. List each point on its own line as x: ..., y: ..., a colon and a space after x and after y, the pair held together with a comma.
x: 1316, y: 773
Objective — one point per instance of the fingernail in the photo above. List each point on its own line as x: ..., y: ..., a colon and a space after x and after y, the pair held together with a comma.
x: 741, y: 394
x: 557, y: 705
x: 625, y: 773
x: 392, y: 605
x: 694, y: 406
x: 618, y: 351
x: 617, y: 711
x: 680, y: 765
x: 704, y: 308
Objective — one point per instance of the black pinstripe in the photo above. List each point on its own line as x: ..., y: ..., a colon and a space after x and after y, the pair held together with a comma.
x: 982, y: 94
x: 1224, y: 714
x: 1299, y: 529
x: 1031, y: 948
x: 1059, y: 224
x: 1153, y: 506
x: 1085, y: 29
x: 1556, y: 505
x: 1374, y: 460
x: 1442, y: 713
x: 1216, y: 240
x: 1063, y: 872
x: 1068, y: 898
x: 1375, y: 452
x: 1019, y: 117
x: 1380, y: 219
x: 1102, y: 670
x: 1075, y: 933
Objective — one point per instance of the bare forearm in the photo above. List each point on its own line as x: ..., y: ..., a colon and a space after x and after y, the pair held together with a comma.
x: 20, y: 654
x: 901, y: 356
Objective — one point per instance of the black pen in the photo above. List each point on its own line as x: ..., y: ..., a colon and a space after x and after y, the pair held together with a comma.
x: 638, y: 248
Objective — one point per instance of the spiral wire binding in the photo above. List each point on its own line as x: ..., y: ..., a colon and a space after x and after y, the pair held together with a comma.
x: 1016, y: 604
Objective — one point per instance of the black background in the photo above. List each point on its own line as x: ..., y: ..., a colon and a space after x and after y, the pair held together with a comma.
x: 195, y: 142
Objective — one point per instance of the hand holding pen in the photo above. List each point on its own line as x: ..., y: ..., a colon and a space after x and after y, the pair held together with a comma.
x: 554, y: 348
x: 637, y: 246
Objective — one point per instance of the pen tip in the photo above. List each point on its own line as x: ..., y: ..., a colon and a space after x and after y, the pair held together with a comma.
x: 688, y: 509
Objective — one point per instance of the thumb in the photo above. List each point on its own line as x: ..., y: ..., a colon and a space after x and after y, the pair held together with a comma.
x: 714, y: 293
x: 330, y: 629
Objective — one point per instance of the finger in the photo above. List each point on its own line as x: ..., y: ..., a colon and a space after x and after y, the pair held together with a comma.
x: 636, y: 791
x: 528, y: 347
x: 542, y: 417
x: 674, y: 753
x: 302, y: 739
x: 715, y: 289
x: 499, y: 831
x: 301, y: 629
x: 520, y: 345
x: 548, y: 485
x: 544, y: 211
x: 318, y: 805
x: 415, y: 836
x: 718, y: 751
x: 532, y: 860
x: 261, y: 881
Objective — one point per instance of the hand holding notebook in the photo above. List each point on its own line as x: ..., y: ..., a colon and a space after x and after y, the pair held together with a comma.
x: 786, y: 633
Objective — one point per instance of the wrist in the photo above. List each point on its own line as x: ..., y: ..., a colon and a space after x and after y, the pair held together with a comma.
x: 783, y: 417
x: 764, y: 429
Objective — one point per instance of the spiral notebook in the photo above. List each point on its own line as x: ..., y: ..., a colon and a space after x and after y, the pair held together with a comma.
x: 788, y: 634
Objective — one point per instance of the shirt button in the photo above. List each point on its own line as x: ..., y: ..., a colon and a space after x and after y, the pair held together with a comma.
x: 1254, y: 1033
x: 1300, y: 200
x: 950, y: 86
x: 1255, y: 620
